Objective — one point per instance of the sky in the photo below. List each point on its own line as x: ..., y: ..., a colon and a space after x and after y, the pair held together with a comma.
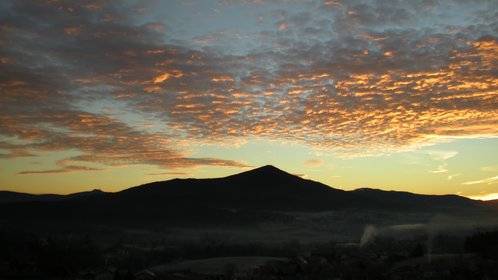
x: 394, y: 95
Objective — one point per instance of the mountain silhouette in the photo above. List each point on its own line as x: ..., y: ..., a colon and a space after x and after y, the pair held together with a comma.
x: 10, y: 196
x: 267, y: 188
x: 265, y: 193
x: 407, y: 200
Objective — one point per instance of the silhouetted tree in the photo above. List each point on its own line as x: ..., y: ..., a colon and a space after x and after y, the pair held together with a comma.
x: 483, y: 243
x: 418, y: 251
x: 117, y: 275
x: 129, y: 276
x: 229, y: 269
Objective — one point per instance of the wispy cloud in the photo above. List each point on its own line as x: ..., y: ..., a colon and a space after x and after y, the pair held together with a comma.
x: 441, y: 155
x: 170, y: 173
x: 313, y: 163
x: 491, y: 180
x: 489, y: 168
x: 439, y: 169
x: 450, y: 177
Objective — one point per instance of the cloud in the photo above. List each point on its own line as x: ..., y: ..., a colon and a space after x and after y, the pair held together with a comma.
x: 14, y: 152
x: 332, y: 3
x: 65, y: 169
x: 491, y: 180
x: 101, y: 140
x: 441, y: 155
x: 489, y: 168
x: 86, y: 76
x: 282, y: 26
x: 313, y: 163
x: 170, y: 173
x: 439, y: 169
x: 450, y: 177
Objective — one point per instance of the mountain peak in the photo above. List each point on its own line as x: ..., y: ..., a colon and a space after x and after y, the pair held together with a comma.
x: 266, y: 171
x: 268, y: 168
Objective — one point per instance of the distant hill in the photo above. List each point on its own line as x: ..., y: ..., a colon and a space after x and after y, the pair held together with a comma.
x: 407, y: 200
x: 493, y: 204
x: 10, y: 197
x: 265, y: 193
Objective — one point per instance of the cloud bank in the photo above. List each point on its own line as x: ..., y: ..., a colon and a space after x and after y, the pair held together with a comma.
x: 118, y: 83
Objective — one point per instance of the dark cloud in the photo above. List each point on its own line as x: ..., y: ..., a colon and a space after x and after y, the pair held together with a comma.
x: 66, y: 169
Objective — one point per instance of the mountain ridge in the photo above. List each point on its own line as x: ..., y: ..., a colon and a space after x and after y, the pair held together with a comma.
x: 13, y: 196
x: 264, y: 193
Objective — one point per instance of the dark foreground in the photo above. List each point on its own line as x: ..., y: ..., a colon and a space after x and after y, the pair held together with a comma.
x: 143, y: 255
x: 259, y: 224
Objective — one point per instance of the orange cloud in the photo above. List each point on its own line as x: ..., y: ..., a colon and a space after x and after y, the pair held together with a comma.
x: 163, y: 77
x: 373, y: 91
x: 72, y: 31
x: 283, y: 26
x: 101, y: 140
x: 222, y: 79
x: 314, y: 163
x: 332, y: 3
